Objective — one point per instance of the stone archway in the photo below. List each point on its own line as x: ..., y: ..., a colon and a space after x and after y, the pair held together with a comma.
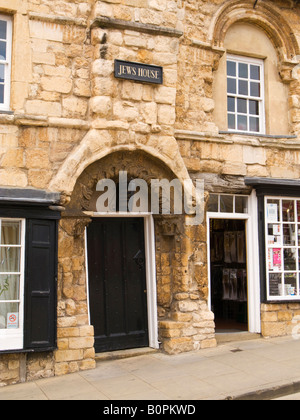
x: 270, y: 20
x: 184, y: 321
x: 96, y: 145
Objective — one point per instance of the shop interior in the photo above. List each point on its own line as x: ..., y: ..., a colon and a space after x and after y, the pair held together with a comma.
x: 229, y: 290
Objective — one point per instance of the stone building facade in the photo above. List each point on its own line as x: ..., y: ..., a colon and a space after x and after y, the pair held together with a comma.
x: 227, y: 113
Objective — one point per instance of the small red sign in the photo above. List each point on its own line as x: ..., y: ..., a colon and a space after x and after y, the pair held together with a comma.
x: 12, y: 320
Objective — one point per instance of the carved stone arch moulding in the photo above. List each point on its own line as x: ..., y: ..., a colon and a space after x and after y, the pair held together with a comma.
x: 268, y: 18
x: 137, y: 164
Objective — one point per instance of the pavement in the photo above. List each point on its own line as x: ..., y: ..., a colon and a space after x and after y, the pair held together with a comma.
x: 260, y: 369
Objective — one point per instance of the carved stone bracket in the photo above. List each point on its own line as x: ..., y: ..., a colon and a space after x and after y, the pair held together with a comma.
x: 75, y: 226
x: 286, y: 71
x: 171, y: 226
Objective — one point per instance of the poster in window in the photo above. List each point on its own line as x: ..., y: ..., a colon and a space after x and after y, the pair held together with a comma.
x: 276, y: 230
x: 276, y: 259
x: 272, y: 213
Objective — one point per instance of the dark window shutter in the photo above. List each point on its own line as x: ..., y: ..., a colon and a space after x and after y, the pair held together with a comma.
x: 40, y: 284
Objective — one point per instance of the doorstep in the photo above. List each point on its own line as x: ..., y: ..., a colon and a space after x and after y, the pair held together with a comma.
x: 236, y: 336
x: 124, y: 354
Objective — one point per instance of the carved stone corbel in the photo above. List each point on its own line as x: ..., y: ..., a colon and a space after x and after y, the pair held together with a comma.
x: 170, y: 226
x: 286, y: 71
x: 75, y: 226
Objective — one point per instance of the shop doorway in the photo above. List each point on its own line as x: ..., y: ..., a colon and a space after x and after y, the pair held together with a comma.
x: 229, y: 274
x: 117, y: 283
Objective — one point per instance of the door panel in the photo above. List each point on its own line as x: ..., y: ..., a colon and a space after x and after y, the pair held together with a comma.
x: 117, y: 283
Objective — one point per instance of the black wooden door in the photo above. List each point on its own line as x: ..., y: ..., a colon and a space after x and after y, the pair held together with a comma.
x: 117, y: 283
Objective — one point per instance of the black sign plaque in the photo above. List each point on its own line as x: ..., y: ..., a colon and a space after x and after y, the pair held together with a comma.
x: 138, y: 72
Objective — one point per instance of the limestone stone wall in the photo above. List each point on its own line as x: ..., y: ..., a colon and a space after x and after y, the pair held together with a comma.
x: 66, y: 82
x: 75, y: 337
x: 20, y: 367
x: 238, y: 155
x: 280, y: 320
x: 185, y: 322
x: 68, y: 112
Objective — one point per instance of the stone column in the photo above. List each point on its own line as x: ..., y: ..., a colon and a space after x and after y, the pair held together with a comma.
x: 188, y: 324
x: 75, y: 337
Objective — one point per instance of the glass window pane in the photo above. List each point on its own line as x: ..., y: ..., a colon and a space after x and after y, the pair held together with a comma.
x: 275, y: 284
x: 9, y: 315
x: 2, y: 50
x: 254, y: 107
x: 9, y: 287
x: 254, y: 125
x: 10, y: 232
x: 3, y: 29
x: 243, y: 87
x: 254, y: 72
x: 231, y: 85
x: 1, y: 94
x: 288, y: 210
x: 2, y: 73
x: 241, y: 204
x: 242, y: 106
x: 243, y: 70
x: 290, y: 284
x: 231, y: 68
x: 289, y: 235
x: 231, y: 104
x: 290, y: 255
x: 9, y: 260
x: 226, y: 203
x: 213, y: 203
x: 231, y: 122
x: 242, y: 123
x: 255, y: 89
x: 274, y: 234
x: 298, y: 210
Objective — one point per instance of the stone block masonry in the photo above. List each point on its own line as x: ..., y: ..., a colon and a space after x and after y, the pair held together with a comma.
x: 280, y: 319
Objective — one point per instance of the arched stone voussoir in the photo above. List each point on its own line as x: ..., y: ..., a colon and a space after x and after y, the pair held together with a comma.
x: 98, y: 144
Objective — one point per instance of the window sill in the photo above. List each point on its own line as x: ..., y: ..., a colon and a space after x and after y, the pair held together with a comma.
x: 266, y: 136
x: 6, y: 112
x: 37, y: 350
x: 278, y: 301
x: 289, y: 142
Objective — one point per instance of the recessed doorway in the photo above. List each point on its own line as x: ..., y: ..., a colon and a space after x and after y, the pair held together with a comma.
x: 228, y: 275
x: 117, y: 283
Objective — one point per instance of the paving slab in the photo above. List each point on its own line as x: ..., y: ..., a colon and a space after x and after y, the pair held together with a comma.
x: 257, y: 369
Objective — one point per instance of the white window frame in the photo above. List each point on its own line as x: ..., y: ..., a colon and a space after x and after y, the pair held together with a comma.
x: 5, y: 106
x: 13, y: 339
x: 281, y: 246
x: 261, y: 100
x: 234, y: 197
